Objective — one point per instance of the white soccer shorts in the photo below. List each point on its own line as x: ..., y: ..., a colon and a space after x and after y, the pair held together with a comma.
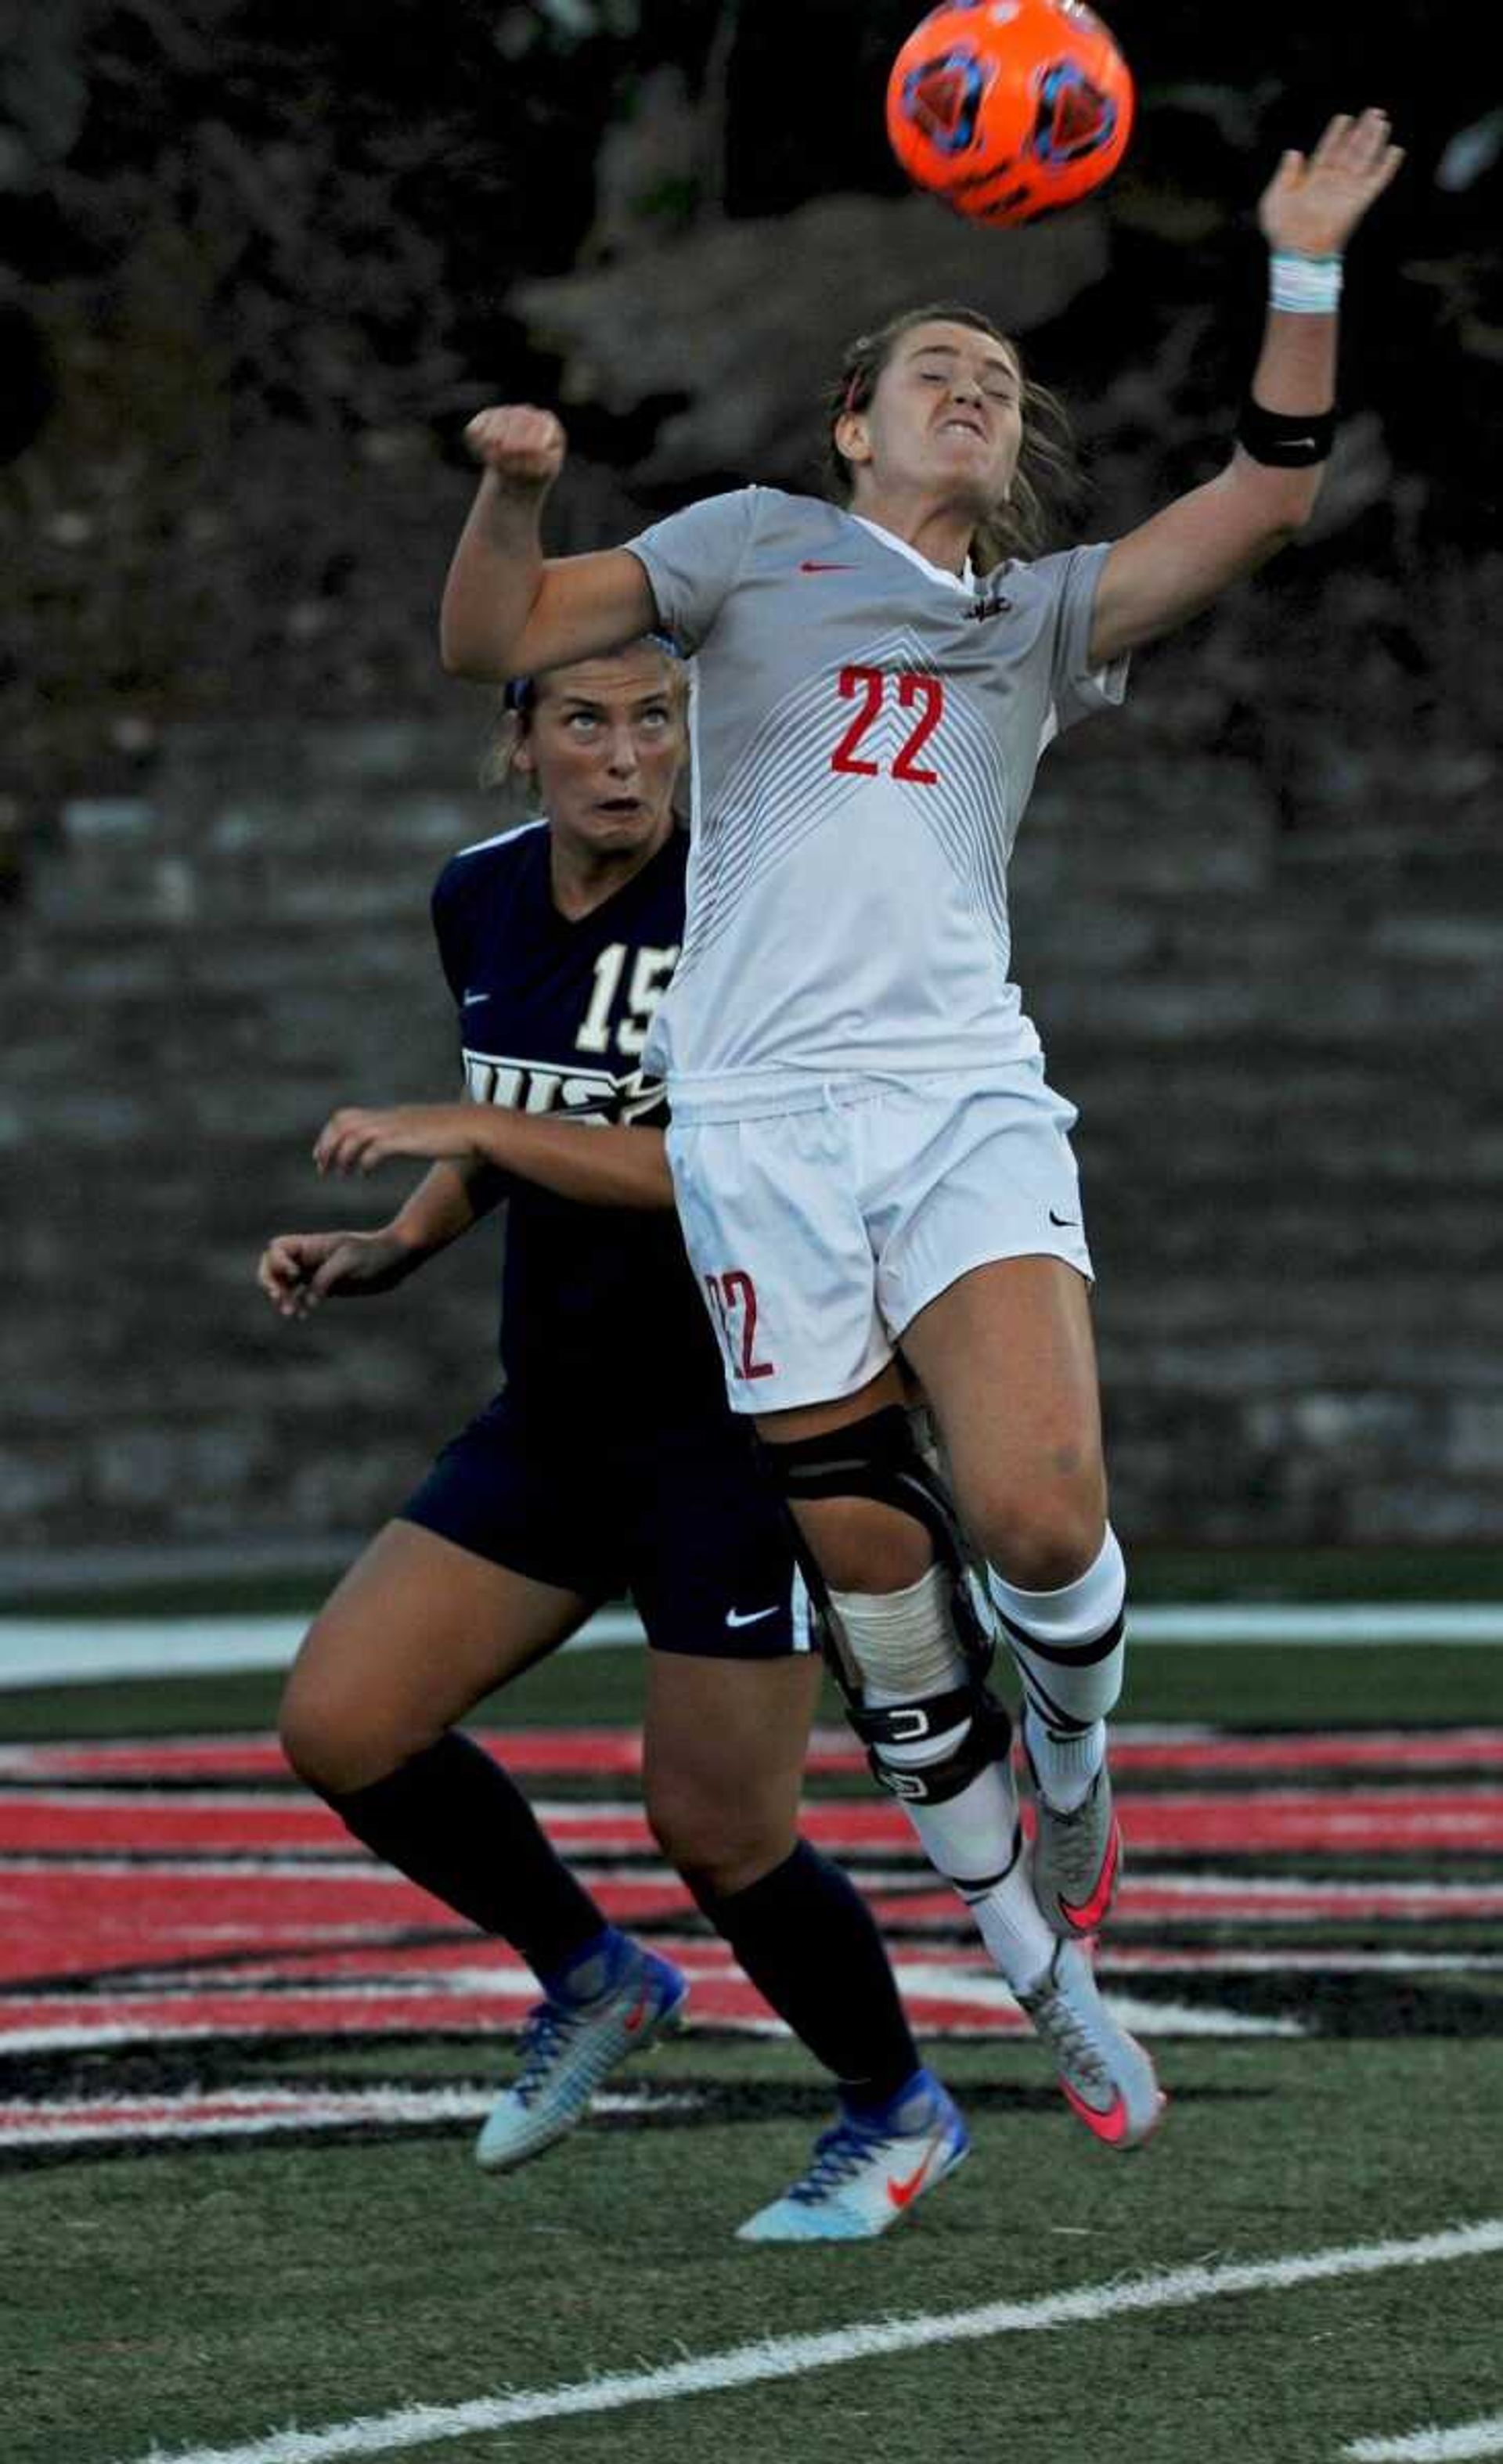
x: 818, y: 1235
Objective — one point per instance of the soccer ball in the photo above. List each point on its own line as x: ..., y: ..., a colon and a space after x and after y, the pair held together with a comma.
x: 1008, y: 109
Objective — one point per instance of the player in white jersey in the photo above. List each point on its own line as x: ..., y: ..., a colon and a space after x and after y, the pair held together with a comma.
x: 865, y: 1150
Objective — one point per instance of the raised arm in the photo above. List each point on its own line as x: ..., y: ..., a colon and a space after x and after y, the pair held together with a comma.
x: 509, y: 610
x: 1182, y: 558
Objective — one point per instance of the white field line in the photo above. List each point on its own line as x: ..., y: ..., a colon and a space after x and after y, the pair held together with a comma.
x: 1431, y: 2446
x: 1427, y: 1898
x: 68, y: 1651
x: 786, y: 2357
x: 228, y: 2113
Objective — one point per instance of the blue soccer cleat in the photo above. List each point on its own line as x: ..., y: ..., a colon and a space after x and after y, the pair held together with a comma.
x: 865, y: 2175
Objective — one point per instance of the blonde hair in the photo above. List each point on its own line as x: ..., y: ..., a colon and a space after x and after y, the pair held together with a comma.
x: 1048, y: 477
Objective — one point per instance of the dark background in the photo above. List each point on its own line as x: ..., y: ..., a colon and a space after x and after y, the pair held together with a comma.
x: 258, y: 263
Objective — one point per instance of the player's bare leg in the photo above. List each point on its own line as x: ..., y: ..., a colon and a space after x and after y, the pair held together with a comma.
x: 415, y: 1635
x: 938, y: 1740
x: 724, y: 1749
x: 411, y: 1638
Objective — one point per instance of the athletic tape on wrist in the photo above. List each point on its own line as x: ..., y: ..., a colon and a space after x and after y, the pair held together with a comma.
x: 1304, y: 286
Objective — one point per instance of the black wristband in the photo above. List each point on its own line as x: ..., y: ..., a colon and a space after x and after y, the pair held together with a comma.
x: 1288, y: 440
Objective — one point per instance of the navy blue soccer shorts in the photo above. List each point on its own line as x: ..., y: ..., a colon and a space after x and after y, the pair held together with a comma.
x: 682, y: 1520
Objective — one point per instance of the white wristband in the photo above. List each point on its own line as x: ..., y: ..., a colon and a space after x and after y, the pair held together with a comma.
x: 1304, y: 286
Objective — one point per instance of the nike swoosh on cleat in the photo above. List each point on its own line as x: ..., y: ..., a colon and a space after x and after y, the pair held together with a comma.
x: 812, y: 564
x: 635, y: 2018
x: 1091, y: 1912
x: 753, y: 1617
x: 1111, y: 2125
x: 903, y: 2193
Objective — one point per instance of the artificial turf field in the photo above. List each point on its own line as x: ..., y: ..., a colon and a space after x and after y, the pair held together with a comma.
x: 193, y: 1954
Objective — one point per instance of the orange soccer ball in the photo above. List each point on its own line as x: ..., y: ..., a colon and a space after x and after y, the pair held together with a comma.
x: 1009, y: 108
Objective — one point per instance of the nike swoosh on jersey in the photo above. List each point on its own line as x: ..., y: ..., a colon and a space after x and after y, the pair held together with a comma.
x: 753, y: 1617
x: 812, y: 564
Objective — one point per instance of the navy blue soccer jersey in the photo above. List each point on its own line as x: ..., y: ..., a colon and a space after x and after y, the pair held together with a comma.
x: 601, y: 1322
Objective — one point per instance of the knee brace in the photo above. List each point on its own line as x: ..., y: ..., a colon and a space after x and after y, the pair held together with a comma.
x: 940, y: 1727
x: 977, y: 1730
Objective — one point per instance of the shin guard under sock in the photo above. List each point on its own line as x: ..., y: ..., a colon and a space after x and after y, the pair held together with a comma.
x: 810, y: 1943
x: 451, y: 1819
x: 1069, y: 1650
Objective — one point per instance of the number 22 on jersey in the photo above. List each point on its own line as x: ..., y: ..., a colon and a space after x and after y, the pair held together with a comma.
x: 917, y: 693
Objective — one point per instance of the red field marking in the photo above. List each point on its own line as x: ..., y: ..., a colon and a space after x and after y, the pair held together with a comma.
x: 486, y: 1989
x: 299, y: 1938
x: 605, y: 1752
x: 78, y: 1921
x: 1373, y: 1822
x: 61, y: 1922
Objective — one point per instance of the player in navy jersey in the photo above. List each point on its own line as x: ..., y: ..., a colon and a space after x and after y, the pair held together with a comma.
x: 865, y: 1149
x: 608, y: 1461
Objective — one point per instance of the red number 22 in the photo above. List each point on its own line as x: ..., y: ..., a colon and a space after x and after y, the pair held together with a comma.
x: 730, y: 1292
x: 913, y: 687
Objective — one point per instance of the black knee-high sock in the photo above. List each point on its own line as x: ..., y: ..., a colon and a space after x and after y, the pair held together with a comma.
x: 451, y: 1819
x: 810, y: 1943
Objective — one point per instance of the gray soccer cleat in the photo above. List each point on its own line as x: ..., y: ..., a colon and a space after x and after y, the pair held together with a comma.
x: 1077, y: 1859
x: 569, y: 2048
x: 1105, y: 2074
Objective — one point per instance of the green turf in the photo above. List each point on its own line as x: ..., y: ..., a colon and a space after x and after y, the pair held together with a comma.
x: 211, y: 2298
x: 179, y: 2298
x: 1242, y: 1684
x: 1159, y: 1573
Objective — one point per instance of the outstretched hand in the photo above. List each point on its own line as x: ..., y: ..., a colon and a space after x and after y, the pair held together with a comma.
x: 1314, y: 202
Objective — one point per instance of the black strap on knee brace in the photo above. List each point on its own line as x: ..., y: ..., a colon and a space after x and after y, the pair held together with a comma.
x: 879, y: 1458
x: 987, y: 1739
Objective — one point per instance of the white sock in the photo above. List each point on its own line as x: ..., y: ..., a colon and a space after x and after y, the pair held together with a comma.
x: 1065, y: 1765
x: 1069, y: 1650
x: 1013, y: 1929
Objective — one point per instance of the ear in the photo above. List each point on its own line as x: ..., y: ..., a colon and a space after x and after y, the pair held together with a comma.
x: 524, y: 760
x: 852, y: 441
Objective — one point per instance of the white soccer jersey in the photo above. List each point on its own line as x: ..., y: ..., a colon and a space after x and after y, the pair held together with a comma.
x: 866, y: 731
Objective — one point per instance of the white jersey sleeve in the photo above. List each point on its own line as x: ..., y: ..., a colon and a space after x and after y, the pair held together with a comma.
x: 1077, y: 689
x: 695, y: 559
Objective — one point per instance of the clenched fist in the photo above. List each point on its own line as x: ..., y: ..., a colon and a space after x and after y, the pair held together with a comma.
x: 523, y: 448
